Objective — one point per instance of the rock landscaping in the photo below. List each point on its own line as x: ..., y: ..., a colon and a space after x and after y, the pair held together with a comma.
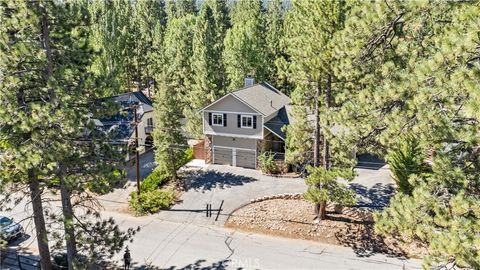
x: 290, y: 216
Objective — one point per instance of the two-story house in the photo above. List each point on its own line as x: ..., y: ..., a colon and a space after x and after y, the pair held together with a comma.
x: 244, y: 123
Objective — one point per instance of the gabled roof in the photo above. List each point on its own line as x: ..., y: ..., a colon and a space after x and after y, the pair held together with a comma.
x: 262, y: 97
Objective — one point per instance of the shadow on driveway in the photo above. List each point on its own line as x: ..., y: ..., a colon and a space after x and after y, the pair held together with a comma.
x: 208, y: 180
x: 378, y: 196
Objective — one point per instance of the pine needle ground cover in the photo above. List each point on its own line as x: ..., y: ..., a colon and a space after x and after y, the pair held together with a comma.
x: 293, y: 218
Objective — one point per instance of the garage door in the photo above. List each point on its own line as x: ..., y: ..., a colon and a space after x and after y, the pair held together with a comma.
x: 245, y: 158
x: 222, y: 156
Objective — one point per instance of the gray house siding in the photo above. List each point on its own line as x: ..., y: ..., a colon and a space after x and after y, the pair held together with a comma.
x: 231, y: 128
x: 230, y: 104
x: 234, y: 142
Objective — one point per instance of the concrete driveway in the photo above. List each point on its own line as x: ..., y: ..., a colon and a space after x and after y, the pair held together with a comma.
x: 374, y: 185
x: 235, y: 186
x: 210, y: 184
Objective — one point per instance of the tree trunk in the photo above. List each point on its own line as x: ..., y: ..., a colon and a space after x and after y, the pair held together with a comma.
x: 68, y: 223
x: 39, y: 220
x: 326, y: 146
x: 322, y: 212
x: 322, y: 215
x: 316, y: 143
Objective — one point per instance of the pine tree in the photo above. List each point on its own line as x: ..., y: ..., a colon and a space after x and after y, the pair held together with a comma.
x: 169, y: 140
x: 26, y: 68
x: 273, y: 35
x: 404, y: 160
x: 150, y: 22
x: 113, y: 35
x: 208, y: 82
x: 413, y: 70
x: 173, y: 83
x: 245, y: 52
x: 311, y: 27
x: 46, y: 112
x: 185, y: 7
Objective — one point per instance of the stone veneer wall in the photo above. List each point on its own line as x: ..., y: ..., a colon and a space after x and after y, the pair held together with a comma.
x: 208, y: 149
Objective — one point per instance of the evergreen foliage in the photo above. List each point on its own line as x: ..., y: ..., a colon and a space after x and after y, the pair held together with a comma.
x: 274, y: 29
x: 324, y: 187
x: 113, y: 35
x: 406, y: 159
x: 150, y: 20
x: 48, y: 94
x: 245, y: 52
x: 413, y: 71
x: 208, y: 82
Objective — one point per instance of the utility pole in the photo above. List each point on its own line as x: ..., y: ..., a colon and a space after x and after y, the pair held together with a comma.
x: 137, y: 154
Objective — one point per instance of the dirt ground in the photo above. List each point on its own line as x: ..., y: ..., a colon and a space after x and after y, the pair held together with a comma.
x: 294, y: 219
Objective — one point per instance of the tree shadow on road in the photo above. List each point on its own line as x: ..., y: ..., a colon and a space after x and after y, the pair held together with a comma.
x: 375, y: 197
x: 207, y: 180
x: 198, y: 265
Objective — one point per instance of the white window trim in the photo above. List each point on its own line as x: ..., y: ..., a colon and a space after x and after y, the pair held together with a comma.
x: 213, y: 122
x: 241, y: 121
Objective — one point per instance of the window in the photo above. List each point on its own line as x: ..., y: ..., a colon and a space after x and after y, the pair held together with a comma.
x: 150, y: 122
x: 247, y: 121
x: 217, y: 119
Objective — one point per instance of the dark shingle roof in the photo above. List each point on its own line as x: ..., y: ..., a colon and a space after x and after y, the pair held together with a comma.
x: 276, y: 124
x: 119, y: 126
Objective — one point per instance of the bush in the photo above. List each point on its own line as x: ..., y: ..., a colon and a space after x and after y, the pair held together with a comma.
x: 187, y: 156
x: 405, y: 160
x: 267, y: 163
x: 151, y: 201
x: 154, y: 180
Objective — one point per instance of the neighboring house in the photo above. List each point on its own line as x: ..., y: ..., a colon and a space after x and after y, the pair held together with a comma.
x: 244, y: 123
x: 121, y: 127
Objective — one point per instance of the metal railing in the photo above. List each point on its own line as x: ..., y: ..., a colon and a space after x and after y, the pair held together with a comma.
x: 149, y: 129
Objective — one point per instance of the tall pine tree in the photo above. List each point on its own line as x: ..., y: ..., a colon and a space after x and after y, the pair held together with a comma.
x: 413, y: 69
x: 245, y: 52
x: 311, y: 27
x: 173, y: 84
x: 209, y: 78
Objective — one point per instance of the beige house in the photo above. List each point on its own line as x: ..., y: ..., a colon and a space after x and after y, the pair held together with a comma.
x: 244, y: 123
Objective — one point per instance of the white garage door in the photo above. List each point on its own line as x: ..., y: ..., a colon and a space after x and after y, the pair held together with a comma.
x: 222, y: 155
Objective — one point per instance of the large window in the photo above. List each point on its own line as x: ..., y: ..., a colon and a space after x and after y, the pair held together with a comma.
x: 217, y: 119
x: 247, y: 121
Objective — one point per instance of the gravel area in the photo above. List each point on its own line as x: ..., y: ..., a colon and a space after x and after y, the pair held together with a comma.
x: 352, y: 227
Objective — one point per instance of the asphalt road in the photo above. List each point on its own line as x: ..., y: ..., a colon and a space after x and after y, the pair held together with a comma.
x: 171, y: 245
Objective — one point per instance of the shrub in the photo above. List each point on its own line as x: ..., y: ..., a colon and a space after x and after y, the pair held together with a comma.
x: 267, y: 163
x: 151, y: 201
x: 154, y: 180
x: 187, y: 156
x: 405, y: 160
